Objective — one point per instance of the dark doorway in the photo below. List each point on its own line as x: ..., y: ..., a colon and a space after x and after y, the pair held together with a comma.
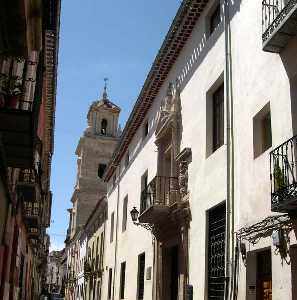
x: 170, y: 273
x: 174, y: 273
x: 140, y: 277
x: 264, y: 276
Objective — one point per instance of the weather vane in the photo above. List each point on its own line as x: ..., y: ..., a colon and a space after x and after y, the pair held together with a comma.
x: 105, y: 88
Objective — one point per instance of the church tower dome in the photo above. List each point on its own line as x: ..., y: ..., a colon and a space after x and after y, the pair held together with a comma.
x: 103, y: 117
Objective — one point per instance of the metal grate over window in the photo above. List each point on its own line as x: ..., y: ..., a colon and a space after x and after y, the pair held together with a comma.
x: 216, y: 252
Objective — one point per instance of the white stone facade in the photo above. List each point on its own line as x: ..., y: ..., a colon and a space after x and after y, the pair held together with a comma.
x: 256, y: 80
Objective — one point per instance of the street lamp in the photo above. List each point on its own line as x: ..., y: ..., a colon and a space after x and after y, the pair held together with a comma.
x: 134, y: 216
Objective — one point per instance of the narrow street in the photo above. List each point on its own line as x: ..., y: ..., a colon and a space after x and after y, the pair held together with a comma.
x: 148, y: 150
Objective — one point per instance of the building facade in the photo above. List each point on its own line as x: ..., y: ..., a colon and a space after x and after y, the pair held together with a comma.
x: 207, y: 159
x: 55, y: 272
x: 94, y: 151
x: 201, y: 200
x: 29, y: 46
x: 94, y: 263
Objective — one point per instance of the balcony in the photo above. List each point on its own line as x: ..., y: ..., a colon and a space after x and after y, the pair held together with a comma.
x: 47, y: 209
x: 279, y: 24
x: 34, y: 233
x: 33, y: 243
x: 283, y: 177
x: 18, y: 109
x: 31, y: 214
x: 22, y: 28
x: 28, y: 186
x: 156, y: 200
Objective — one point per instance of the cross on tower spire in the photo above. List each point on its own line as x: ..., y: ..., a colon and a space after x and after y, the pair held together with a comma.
x: 105, y: 89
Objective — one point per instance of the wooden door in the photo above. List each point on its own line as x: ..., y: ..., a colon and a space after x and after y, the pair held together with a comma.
x: 264, y: 276
x: 264, y: 289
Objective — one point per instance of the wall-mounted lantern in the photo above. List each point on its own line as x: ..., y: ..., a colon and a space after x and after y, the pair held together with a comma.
x: 134, y: 216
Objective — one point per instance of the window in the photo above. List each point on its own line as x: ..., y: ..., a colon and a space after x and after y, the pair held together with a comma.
x: 125, y: 207
x: 262, y: 135
x: 215, y: 19
x: 127, y: 159
x: 145, y: 129
x: 101, y: 251
x: 97, y: 254
x: 111, y: 227
x: 109, y: 282
x: 101, y: 170
x: 104, y: 126
x: 149, y: 273
x: 143, y: 196
x: 216, y: 252
x: 122, y: 280
x: 114, y: 178
x: 140, y: 276
x: 218, y: 118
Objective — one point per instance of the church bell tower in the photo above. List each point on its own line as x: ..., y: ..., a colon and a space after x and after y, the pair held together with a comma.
x: 94, y: 151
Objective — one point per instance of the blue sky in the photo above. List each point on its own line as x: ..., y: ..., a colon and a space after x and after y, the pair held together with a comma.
x: 99, y: 38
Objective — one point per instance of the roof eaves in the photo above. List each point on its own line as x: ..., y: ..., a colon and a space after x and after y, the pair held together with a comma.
x: 178, y: 34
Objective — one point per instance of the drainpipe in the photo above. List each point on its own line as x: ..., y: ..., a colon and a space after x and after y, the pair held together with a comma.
x: 116, y: 237
x: 229, y: 247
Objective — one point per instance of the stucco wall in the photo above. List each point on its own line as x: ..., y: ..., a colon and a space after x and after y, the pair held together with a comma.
x: 258, y: 78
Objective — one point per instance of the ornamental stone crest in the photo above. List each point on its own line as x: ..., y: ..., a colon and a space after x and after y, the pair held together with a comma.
x: 184, y: 159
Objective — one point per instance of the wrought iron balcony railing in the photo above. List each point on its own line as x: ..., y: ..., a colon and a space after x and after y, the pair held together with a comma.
x: 20, y: 97
x: 17, y: 82
x: 283, y: 177
x: 279, y: 23
x: 31, y: 209
x: 27, y: 176
x: 161, y: 191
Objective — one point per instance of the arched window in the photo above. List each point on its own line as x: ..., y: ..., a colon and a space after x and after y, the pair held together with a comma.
x: 103, y: 126
x: 101, y: 169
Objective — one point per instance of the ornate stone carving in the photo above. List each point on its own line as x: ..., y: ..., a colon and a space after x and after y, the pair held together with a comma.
x: 183, y: 178
x: 183, y: 159
x: 170, y: 107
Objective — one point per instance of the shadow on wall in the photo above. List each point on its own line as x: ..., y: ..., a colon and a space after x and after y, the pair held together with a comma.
x: 288, y: 57
x: 203, y: 46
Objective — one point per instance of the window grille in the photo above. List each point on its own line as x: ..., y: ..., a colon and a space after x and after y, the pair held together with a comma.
x: 216, y: 252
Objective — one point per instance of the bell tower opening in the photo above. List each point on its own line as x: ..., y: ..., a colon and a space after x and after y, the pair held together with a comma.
x: 104, y: 127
